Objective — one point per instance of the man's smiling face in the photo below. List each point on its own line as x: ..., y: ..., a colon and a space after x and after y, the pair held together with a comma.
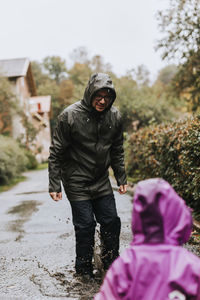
x: 101, y: 100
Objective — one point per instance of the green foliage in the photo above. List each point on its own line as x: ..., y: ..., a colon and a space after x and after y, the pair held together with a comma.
x: 66, y: 91
x: 126, y: 97
x: 12, y: 159
x: 79, y: 74
x: 31, y: 160
x: 180, y: 25
x: 141, y: 106
x: 54, y: 83
x: 49, y: 87
x: 141, y: 75
x: 8, y: 108
x: 166, y: 74
x: 7, y: 105
x: 42, y: 166
x: 187, y: 80
x: 98, y: 65
x: 30, y: 133
x: 38, y: 73
x: 11, y: 183
x: 56, y: 67
x: 170, y: 152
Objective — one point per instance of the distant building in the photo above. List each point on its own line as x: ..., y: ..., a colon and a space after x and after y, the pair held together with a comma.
x: 40, y: 108
x: 19, y: 73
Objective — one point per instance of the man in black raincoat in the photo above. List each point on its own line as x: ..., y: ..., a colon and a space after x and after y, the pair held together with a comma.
x: 88, y: 140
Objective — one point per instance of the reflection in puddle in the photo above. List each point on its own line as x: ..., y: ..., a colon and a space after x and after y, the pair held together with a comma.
x: 24, y: 210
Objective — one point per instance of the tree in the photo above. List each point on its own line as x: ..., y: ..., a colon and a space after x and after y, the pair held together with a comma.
x: 180, y: 24
x: 141, y: 75
x: 56, y: 67
x: 140, y: 106
x: 187, y: 81
x: 66, y: 91
x: 30, y: 131
x: 8, y: 106
x: 137, y: 100
x: 166, y: 74
x: 38, y: 73
x: 53, y: 83
x: 79, y: 75
x: 98, y: 66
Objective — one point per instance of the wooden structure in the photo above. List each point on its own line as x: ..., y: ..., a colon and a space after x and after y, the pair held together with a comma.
x: 40, y: 108
x: 19, y: 73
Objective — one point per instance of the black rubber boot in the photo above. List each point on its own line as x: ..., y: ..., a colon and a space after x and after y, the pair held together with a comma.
x: 84, y: 250
x: 110, y: 242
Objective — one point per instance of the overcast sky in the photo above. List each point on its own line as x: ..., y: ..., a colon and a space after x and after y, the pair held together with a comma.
x: 123, y: 32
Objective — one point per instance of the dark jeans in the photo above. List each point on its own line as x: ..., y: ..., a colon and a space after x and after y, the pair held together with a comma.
x: 85, y: 214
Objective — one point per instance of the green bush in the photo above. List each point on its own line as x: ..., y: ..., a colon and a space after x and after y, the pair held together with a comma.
x: 171, y: 152
x: 32, y: 162
x: 13, y: 160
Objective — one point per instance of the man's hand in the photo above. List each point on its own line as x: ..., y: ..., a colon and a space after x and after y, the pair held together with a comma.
x: 122, y: 189
x: 56, y: 196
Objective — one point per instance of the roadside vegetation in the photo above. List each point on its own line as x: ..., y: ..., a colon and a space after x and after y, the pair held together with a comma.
x: 169, y: 151
x: 11, y: 183
x: 14, y: 159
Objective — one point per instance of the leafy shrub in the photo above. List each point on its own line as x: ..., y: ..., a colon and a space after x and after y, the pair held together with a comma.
x: 8, y: 105
x: 32, y: 161
x: 169, y: 151
x: 12, y: 159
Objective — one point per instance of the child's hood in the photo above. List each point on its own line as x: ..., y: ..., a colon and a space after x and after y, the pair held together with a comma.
x: 160, y: 215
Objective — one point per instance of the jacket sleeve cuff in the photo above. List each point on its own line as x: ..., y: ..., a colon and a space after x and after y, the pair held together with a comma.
x: 55, y: 187
x: 121, y: 180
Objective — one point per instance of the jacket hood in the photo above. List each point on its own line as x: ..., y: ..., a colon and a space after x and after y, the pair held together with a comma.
x: 97, y: 82
x: 159, y: 214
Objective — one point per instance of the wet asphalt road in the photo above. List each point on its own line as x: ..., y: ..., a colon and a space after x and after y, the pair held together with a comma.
x: 37, y: 243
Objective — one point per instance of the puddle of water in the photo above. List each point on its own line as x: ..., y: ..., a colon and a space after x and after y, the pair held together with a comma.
x: 60, y: 284
x: 24, y: 210
x: 17, y: 226
x: 32, y: 192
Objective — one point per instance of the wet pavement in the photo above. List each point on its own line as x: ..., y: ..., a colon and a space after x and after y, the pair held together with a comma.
x: 37, y: 243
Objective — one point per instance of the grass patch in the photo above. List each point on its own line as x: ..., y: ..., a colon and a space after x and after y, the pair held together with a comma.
x: 12, y: 183
x: 42, y: 166
x: 16, y: 180
x: 132, y: 181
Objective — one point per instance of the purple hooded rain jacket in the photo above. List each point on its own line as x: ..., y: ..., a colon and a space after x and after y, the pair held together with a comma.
x: 155, y: 266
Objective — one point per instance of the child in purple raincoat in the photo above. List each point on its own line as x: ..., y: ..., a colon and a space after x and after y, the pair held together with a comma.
x: 155, y: 266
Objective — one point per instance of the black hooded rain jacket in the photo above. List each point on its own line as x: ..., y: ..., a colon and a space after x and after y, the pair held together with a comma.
x: 85, y: 144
